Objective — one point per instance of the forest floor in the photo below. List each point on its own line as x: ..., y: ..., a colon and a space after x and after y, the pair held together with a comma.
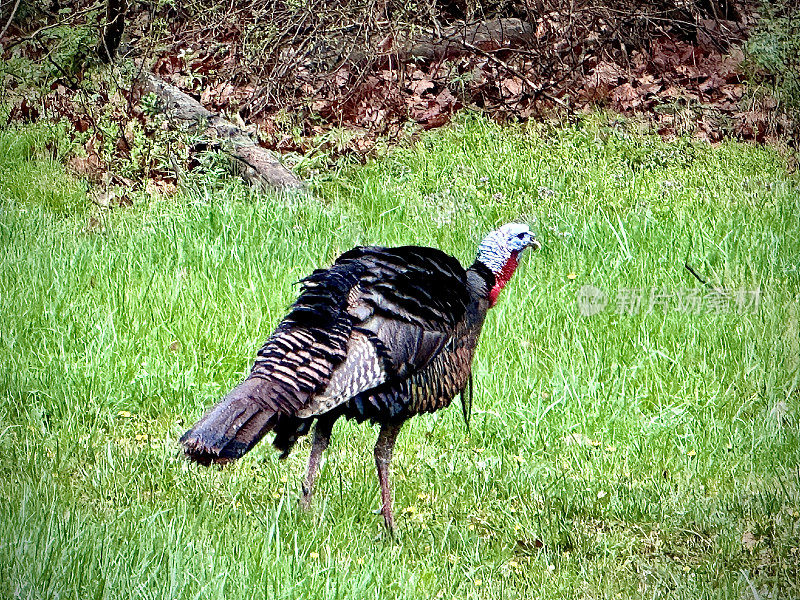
x: 323, y: 100
x: 635, y: 433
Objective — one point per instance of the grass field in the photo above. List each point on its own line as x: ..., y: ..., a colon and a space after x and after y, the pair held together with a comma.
x: 647, y: 451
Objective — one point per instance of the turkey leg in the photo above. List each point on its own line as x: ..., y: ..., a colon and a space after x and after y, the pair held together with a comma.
x: 319, y: 443
x: 383, y: 460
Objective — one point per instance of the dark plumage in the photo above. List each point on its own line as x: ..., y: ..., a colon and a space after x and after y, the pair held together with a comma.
x: 383, y: 334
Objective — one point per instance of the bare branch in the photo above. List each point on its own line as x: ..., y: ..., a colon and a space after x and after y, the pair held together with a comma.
x: 537, y: 90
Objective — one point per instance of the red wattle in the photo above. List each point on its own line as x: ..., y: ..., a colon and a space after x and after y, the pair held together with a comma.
x: 503, y: 277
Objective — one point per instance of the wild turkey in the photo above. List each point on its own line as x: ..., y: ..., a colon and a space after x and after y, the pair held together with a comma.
x: 382, y: 334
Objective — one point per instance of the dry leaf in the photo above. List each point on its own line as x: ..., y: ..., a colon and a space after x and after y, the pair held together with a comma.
x: 512, y: 86
x: 103, y: 198
x: 606, y: 76
x: 625, y: 97
x: 421, y: 86
x: 749, y: 541
x: 577, y: 439
x: 527, y: 544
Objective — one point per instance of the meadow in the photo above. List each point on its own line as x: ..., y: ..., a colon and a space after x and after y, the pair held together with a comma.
x: 635, y: 432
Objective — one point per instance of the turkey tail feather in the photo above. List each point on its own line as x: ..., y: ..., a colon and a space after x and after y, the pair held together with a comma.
x: 232, y: 427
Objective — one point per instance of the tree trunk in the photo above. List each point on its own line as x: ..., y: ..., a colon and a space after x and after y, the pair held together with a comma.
x: 112, y: 32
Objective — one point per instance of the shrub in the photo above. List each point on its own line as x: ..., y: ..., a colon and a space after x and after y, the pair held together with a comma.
x: 773, y: 54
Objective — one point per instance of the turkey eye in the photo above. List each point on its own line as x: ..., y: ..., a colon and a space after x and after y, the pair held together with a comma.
x: 520, y: 235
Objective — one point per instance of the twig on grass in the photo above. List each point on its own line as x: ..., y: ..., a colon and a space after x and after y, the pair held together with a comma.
x: 695, y: 274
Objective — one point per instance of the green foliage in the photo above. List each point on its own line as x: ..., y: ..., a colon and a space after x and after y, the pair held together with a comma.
x: 64, y: 52
x: 773, y: 53
x: 650, y: 455
x: 32, y: 170
x: 56, y: 77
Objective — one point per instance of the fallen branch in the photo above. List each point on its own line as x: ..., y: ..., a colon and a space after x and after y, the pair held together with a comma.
x: 463, y: 37
x: 259, y: 166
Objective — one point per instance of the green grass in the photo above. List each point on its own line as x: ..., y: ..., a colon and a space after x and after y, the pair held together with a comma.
x: 682, y: 478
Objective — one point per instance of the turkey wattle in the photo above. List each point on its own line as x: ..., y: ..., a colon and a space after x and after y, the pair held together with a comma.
x: 382, y: 334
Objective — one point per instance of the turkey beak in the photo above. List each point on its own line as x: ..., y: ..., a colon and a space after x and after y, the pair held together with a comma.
x: 534, y: 244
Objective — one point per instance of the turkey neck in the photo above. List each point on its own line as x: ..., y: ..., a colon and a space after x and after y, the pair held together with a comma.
x: 503, y: 277
x: 480, y: 283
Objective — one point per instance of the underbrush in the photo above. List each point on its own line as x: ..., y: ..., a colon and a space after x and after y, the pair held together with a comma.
x: 619, y: 447
x: 32, y: 168
x: 773, y: 55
